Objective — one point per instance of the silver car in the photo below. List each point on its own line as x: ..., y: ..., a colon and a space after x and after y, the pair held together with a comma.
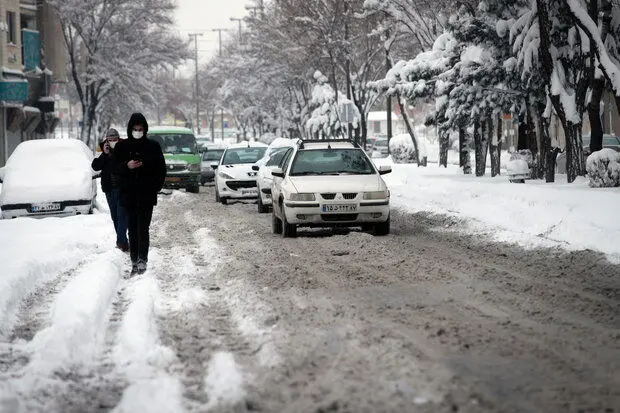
x: 210, y: 155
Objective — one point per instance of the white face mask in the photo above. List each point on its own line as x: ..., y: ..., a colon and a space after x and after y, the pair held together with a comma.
x: 137, y: 134
x: 113, y: 144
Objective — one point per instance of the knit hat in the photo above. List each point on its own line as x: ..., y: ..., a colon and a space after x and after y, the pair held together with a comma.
x: 112, y: 133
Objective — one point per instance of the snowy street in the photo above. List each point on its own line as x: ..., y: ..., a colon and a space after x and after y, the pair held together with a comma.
x: 230, y: 318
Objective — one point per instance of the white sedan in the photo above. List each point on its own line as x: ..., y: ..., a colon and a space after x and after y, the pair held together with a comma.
x: 48, y: 177
x: 264, y: 168
x: 234, y: 177
x: 330, y: 183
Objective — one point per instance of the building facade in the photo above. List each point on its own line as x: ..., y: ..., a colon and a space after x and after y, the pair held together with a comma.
x: 34, y: 61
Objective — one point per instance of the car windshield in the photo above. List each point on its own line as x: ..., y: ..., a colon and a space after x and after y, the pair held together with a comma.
x: 243, y: 155
x: 277, y: 156
x: 331, y: 162
x: 212, y: 155
x: 176, y: 143
x: 611, y: 140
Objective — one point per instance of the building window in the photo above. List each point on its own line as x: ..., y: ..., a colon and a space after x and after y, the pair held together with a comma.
x: 11, y: 28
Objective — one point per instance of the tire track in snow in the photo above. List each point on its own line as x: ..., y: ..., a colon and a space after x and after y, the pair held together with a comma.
x: 193, y: 321
x: 140, y: 357
x: 63, y: 373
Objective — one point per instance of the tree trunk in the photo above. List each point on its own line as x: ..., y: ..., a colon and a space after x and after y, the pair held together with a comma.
x: 496, y: 145
x: 481, y: 145
x: 574, y: 151
x: 464, y: 159
x: 409, y: 129
x: 523, y: 132
x: 444, y: 145
x: 594, y: 114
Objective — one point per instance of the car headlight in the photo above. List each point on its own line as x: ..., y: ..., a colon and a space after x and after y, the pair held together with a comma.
x: 194, y: 167
x: 224, y: 175
x: 377, y: 195
x: 302, y: 197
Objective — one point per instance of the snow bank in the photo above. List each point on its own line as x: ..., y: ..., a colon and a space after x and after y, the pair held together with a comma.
x: 604, y: 168
x: 533, y: 214
x: 224, y: 381
x: 141, y: 358
x: 34, y: 252
x: 79, y: 317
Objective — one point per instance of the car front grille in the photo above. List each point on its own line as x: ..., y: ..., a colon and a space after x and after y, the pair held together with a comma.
x: 338, y: 217
x: 328, y: 196
x: 235, y: 185
x: 176, y: 168
x: 351, y: 195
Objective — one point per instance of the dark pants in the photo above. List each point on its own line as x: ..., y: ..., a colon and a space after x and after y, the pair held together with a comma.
x: 118, y: 214
x: 139, y: 219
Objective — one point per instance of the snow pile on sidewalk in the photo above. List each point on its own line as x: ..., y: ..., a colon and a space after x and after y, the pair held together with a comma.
x: 33, y: 252
x: 573, y: 216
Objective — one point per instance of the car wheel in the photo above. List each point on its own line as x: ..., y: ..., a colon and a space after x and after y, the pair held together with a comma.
x: 517, y: 181
x: 383, y: 228
x: 367, y: 227
x: 261, y: 207
x: 288, y: 230
x: 276, y: 224
x: 194, y: 189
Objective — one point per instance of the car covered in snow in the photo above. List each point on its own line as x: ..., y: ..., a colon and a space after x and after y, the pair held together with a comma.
x: 48, y: 177
x: 234, y: 176
x: 330, y: 183
x: 277, y: 154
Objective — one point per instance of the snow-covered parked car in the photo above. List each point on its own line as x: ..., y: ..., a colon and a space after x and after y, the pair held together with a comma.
x: 277, y: 153
x: 519, y: 168
x: 234, y: 177
x: 330, y: 183
x: 48, y: 177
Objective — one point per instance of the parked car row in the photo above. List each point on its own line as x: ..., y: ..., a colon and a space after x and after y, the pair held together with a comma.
x: 323, y: 183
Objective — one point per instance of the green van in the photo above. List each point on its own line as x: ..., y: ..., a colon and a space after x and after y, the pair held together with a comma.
x: 182, y: 156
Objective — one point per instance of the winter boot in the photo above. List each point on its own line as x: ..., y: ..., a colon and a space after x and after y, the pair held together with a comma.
x: 141, y: 266
x: 134, y: 268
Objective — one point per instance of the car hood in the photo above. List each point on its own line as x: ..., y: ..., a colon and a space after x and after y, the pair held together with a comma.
x: 241, y: 171
x: 338, y: 183
x: 25, y: 185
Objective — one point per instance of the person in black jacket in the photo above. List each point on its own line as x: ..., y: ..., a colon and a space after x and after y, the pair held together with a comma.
x: 141, y: 171
x: 109, y: 185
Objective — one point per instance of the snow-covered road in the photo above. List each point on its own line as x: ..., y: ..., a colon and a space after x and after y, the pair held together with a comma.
x: 230, y: 318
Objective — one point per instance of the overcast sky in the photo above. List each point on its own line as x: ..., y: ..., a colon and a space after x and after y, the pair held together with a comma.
x: 205, y: 15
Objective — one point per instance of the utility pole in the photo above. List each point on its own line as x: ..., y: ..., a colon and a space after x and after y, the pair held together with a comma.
x: 348, y: 62
x: 235, y: 19
x: 195, y: 36
x: 219, y: 31
x: 388, y: 66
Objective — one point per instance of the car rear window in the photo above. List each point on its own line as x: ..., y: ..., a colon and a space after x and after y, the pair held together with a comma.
x: 212, y: 155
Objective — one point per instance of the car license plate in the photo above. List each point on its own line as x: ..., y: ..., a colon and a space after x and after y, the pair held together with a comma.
x: 249, y: 192
x: 173, y: 179
x: 45, y: 207
x: 340, y: 208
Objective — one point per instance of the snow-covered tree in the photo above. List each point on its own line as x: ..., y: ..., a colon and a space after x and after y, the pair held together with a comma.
x: 113, y: 47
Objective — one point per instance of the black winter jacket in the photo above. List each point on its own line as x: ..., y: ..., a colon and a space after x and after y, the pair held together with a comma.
x: 104, y: 164
x: 139, y: 185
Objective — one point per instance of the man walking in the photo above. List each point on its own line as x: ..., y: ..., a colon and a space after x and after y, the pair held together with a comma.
x: 141, y: 170
x: 109, y: 185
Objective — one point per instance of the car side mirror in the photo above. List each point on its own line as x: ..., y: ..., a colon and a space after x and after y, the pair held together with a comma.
x: 255, y: 168
x: 278, y: 172
x: 214, y: 165
x: 385, y: 169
